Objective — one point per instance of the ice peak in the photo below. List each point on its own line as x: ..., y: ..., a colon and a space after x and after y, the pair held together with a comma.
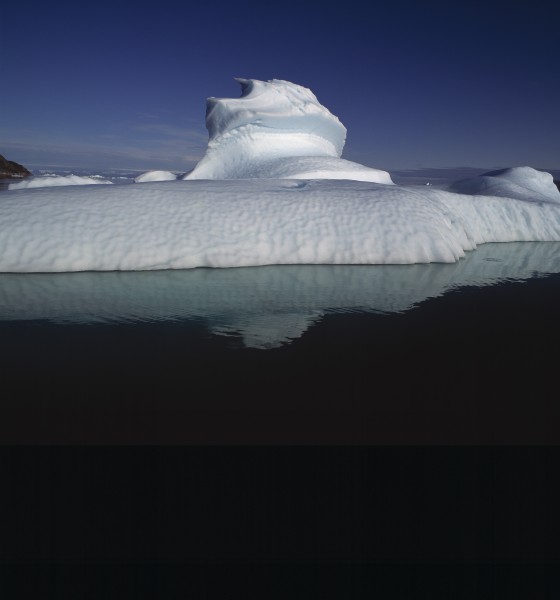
x: 273, y: 130
x: 279, y: 106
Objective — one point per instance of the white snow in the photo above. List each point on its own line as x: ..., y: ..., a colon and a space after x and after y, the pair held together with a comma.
x: 276, y: 129
x: 155, y: 176
x: 272, y: 189
x: 57, y: 180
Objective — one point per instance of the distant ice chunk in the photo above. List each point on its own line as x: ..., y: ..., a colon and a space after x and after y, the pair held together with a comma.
x: 276, y: 129
x: 155, y: 176
x: 522, y: 183
x: 56, y: 180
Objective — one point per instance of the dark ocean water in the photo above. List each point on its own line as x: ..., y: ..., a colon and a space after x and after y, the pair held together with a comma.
x: 352, y: 432
x: 452, y: 354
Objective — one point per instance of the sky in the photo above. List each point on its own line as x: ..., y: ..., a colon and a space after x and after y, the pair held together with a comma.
x: 417, y: 84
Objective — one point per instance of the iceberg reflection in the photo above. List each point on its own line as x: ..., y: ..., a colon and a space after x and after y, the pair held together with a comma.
x: 266, y: 306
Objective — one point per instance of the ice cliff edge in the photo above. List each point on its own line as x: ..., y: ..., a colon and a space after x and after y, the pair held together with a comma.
x: 276, y: 129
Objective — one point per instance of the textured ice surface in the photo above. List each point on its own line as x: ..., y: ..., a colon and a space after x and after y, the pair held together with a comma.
x: 262, y: 306
x: 276, y: 129
x: 523, y: 183
x: 56, y: 180
x: 185, y: 224
x: 155, y: 176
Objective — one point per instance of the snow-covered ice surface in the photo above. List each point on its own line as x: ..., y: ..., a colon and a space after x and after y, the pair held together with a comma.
x: 276, y: 129
x: 57, y: 180
x: 271, y: 189
x: 187, y: 224
x: 263, y: 306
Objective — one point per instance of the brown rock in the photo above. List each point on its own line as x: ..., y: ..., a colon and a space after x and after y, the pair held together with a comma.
x: 9, y: 168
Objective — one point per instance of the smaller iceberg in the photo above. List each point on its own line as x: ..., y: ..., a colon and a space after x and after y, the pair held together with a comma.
x: 520, y: 183
x: 277, y: 129
x: 57, y: 180
x: 155, y: 176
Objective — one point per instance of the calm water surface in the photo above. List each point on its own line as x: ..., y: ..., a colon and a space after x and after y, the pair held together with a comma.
x: 330, y: 426
x: 461, y: 353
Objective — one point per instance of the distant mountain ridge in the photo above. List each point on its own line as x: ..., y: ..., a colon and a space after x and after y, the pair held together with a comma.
x: 9, y: 168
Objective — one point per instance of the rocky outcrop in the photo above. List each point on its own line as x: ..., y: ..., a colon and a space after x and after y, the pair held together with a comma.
x: 9, y: 168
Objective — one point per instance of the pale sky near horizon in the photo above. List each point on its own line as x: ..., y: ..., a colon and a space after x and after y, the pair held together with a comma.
x: 433, y: 84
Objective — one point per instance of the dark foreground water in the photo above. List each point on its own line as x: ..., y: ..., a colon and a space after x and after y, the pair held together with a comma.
x: 452, y: 354
x: 351, y: 432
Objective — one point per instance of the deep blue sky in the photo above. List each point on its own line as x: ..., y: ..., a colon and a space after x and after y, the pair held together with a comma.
x: 417, y: 84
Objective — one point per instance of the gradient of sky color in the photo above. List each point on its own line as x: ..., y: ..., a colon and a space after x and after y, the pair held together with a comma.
x: 433, y: 84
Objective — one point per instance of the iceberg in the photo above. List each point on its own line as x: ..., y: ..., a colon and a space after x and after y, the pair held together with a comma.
x: 271, y: 189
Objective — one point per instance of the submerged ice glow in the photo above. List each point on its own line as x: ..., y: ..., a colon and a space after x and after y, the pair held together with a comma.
x: 271, y: 189
x: 266, y: 307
